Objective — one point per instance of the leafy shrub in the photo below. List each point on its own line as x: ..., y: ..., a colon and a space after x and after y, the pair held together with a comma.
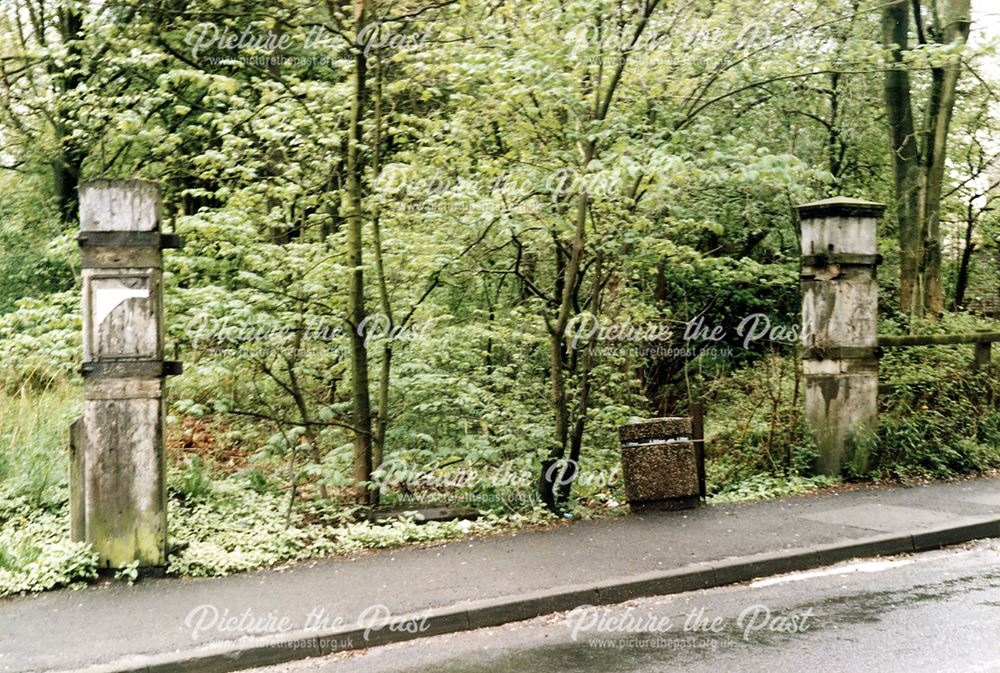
x: 754, y: 422
x: 36, y: 554
x: 193, y: 481
x: 234, y: 529
x: 237, y: 529
x: 40, y: 341
x: 763, y: 486
x: 36, y: 256
x: 940, y: 419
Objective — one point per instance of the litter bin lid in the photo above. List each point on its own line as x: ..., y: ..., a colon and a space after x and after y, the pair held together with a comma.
x: 669, y: 427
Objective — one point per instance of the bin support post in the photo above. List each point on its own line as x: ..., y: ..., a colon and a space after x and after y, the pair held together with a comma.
x: 696, y: 411
x: 839, y: 327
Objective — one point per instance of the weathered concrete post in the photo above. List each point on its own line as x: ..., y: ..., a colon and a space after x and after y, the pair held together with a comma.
x: 839, y: 326
x: 117, y: 474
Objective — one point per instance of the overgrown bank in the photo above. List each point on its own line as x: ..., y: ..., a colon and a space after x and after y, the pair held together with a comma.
x: 232, y: 506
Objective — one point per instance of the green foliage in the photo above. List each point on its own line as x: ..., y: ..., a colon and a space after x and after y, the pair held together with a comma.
x: 129, y: 573
x: 35, y: 552
x: 233, y: 530
x: 237, y: 529
x: 36, y: 257
x: 941, y: 419
x: 763, y: 486
x: 193, y: 481
x: 40, y: 341
x: 34, y: 434
x: 757, y: 443
x: 754, y: 421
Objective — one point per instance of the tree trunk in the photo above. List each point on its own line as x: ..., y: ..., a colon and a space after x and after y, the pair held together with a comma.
x: 956, y: 27
x: 962, y: 281
x: 568, y: 277
x: 919, y: 171
x: 382, y: 418
x: 835, y: 140
x: 583, y: 385
x: 557, y: 332
x: 905, y: 155
x: 362, y: 417
x: 68, y: 163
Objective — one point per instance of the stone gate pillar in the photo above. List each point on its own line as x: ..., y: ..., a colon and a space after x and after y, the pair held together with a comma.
x: 117, y: 472
x: 839, y: 326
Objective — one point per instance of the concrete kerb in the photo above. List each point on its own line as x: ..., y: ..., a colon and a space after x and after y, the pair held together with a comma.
x: 657, y: 583
x: 506, y: 609
x: 941, y: 536
x: 267, y: 651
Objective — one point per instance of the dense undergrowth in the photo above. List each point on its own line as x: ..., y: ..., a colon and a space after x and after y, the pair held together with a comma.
x: 232, y: 507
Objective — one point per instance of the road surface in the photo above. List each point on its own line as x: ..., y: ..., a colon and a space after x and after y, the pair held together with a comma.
x: 933, y: 612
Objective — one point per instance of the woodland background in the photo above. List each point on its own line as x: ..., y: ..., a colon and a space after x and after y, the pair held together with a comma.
x: 474, y: 182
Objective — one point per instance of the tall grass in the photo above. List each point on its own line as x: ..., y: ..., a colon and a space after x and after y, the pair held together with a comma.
x: 34, y: 440
x: 35, y: 550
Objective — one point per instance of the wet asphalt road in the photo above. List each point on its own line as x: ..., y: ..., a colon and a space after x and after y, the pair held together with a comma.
x: 935, y: 612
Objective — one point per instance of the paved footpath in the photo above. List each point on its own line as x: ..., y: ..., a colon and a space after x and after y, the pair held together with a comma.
x: 229, y: 623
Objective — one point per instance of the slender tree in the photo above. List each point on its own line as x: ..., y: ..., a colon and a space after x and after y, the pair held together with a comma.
x: 357, y: 312
x: 919, y: 149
